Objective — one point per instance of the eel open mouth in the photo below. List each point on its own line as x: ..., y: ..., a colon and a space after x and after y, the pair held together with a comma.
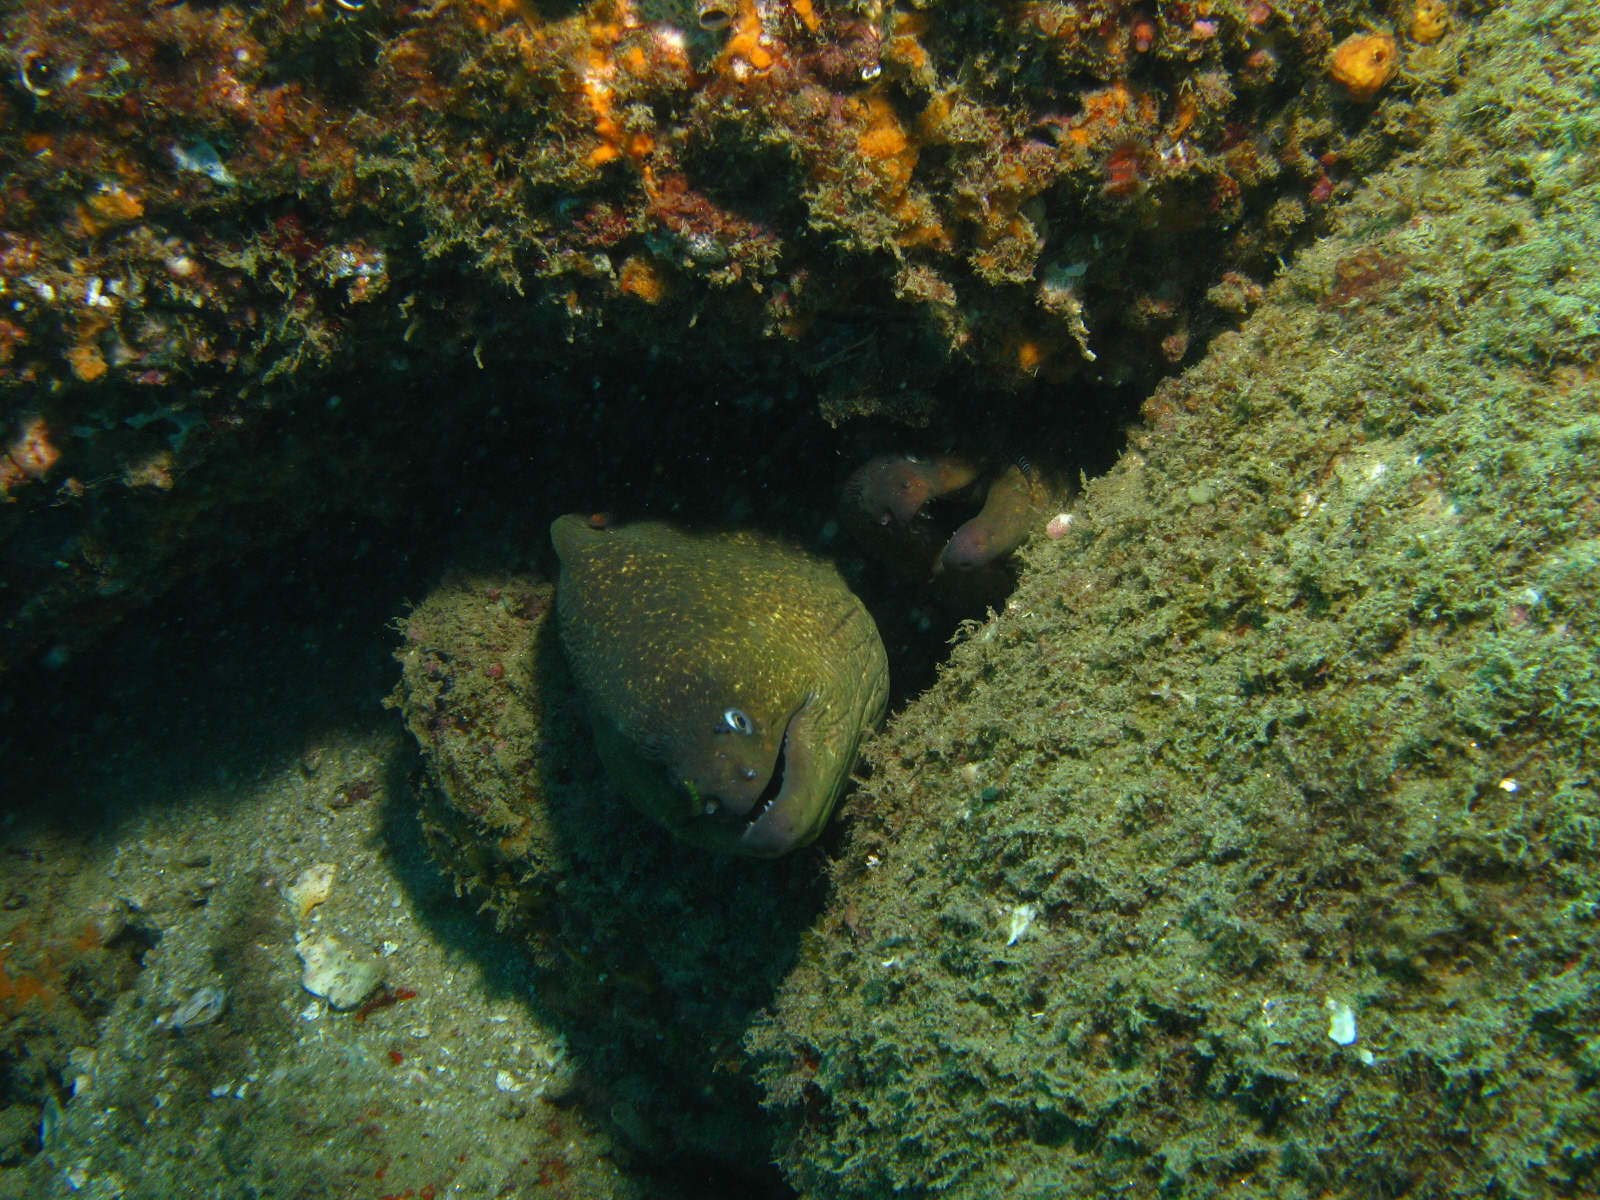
x: 736, y: 821
x: 774, y: 788
x: 784, y: 815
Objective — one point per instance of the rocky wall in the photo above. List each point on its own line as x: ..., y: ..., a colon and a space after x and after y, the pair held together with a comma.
x: 265, y: 264
x: 1251, y: 850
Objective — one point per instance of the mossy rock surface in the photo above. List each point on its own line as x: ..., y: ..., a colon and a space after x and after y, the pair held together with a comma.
x: 1299, y: 715
x: 472, y: 696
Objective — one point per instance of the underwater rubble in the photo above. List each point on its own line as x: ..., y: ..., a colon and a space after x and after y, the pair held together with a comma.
x: 218, y: 810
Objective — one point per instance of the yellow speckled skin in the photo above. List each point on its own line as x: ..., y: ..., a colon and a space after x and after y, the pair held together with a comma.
x: 668, y: 633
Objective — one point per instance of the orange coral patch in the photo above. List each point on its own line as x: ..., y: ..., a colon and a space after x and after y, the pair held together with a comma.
x: 903, y: 47
x: 920, y: 225
x: 1105, y: 109
x: 31, y: 450
x: 807, y: 15
x: 745, y: 42
x: 1429, y: 20
x: 595, y: 87
x: 1183, y: 118
x: 891, y: 152
x: 87, y: 363
x: 639, y: 277
x: 1364, y: 63
x: 115, y: 204
x: 886, y: 140
x: 931, y: 123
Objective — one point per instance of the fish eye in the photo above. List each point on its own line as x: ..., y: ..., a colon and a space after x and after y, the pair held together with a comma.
x: 911, y: 456
x: 737, y: 721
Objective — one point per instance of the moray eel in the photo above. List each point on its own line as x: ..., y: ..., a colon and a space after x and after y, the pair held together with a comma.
x: 730, y: 679
x: 1015, y: 501
x: 894, y: 487
x: 885, y: 506
x: 901, y: 509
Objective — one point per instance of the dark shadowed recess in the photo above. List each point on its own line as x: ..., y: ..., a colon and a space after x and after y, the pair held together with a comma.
x: 476, y: 463
x: 238, y: 667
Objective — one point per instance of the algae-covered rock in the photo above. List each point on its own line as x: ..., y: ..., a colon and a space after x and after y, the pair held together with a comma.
x: 255, y: 255
x: 472, y: 695
x: 1253, y: 848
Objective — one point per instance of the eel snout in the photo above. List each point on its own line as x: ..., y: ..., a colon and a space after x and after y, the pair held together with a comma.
x: 787, y: 812
x: 1013, y: 506
x: 793, y: 812
x: 893, y: 488
x: 743, y: 775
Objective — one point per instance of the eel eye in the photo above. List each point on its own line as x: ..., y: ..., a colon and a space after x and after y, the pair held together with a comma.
x: 737, y: 721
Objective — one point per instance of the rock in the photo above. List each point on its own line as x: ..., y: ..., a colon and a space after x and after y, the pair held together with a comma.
x: 310, y: 888
x: 340, y: 973
x: 19, y: 1133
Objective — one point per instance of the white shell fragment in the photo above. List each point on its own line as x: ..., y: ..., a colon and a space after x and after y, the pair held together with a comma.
x: 1021, y: 917
x: 1341, y: 1022
x: 336, y: 971
x: 80, y: 1061
x: 203, y: 1006
x: 310, y: 888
